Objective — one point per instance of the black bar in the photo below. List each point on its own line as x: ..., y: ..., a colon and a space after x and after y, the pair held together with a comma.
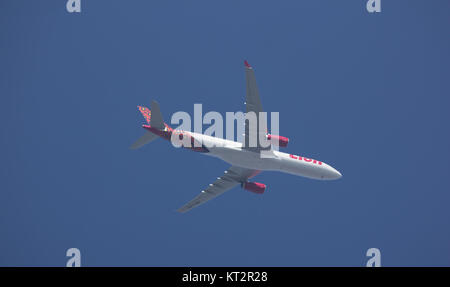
x: 233, y: 276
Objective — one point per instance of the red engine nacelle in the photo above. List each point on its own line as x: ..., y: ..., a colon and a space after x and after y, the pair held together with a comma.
x: 278, y: 140
x: 255, y: 187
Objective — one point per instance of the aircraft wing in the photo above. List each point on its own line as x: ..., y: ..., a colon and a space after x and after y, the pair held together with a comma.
x: 232, y: 177
x: 253, y: 104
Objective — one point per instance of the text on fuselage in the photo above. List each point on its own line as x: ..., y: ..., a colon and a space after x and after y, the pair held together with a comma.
x: 306, y: 159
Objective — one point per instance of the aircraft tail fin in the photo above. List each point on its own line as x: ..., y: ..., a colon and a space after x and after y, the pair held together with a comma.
x: 154, y: 119
x: 146, y: 113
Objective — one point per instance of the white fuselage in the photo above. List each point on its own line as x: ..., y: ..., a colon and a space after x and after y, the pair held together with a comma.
x: 233, y: 153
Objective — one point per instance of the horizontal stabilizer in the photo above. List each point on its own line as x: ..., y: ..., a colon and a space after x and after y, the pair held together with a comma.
x: 143, y: 140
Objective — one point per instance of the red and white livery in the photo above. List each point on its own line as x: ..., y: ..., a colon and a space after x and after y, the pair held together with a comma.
x: 246, y: 162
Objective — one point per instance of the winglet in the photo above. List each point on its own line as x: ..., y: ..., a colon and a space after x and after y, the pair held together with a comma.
x: 247, y: 64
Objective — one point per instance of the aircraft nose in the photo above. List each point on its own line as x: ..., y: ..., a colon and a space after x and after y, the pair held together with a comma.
x: 332, y: 174
x: 335, y: 174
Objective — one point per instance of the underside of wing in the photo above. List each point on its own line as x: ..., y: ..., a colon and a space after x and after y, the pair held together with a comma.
x: 253, y: 104
x: 231, y: 178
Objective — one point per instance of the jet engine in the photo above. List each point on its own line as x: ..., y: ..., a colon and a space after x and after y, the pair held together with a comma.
x: 255, y: 187
x: 278, y: 140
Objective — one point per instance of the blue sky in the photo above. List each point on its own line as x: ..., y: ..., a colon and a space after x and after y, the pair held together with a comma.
x: 367, y: 93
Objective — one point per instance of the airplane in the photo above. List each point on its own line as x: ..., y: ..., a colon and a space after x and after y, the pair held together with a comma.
x: 246, y: 161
